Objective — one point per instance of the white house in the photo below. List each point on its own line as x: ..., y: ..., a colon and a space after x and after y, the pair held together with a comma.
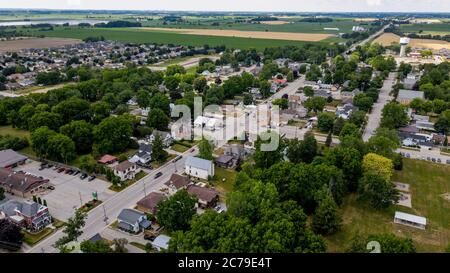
x: 125, y: 170
x: 161, y: 242
x: 166, y: 137
x: 208, y: 123
x: 410, y: 220
x: 198, y: 167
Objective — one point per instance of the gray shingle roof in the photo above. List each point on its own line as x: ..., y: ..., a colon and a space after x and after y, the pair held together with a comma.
x: 10, y: 157
x: 130, y: 215
x: 409, y: 94
x: 199, y: 163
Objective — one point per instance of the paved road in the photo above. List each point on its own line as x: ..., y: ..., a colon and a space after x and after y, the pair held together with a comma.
x: 373, y: 36
x: 113, y: 206
x: 384, y: 98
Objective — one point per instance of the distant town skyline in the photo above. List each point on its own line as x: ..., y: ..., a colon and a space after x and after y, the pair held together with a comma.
x: 239, y: 5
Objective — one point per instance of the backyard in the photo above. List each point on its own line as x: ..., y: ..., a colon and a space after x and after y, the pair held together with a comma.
x: 428, y: 184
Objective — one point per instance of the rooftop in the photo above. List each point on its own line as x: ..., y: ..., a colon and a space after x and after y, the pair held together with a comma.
x: 10, y: 157
x: 202, y: 193
x: 199, y: 163
x: 410, y: 94
x: 152, y: 200
x: 125, y: 165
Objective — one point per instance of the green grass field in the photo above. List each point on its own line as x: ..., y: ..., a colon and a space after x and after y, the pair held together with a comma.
x: 161, y: 37
x: 33, y: 238
x: 427, y: 28
x: 427, y: 182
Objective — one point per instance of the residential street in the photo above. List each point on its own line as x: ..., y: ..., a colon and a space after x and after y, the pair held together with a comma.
x: 125, y: 199
x: 384, y: 98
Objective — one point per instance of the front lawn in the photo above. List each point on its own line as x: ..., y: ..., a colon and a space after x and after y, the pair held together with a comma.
x: 157, y: 164
x: 127, y: 183
x: 179, y: 148
x: 224, y: 180
x: 428, y: 182
x: 33, y: 238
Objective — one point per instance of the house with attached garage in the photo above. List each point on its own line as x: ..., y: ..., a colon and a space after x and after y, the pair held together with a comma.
x: 198, y: 167
x: 132, y: 221
x: 125, y: 170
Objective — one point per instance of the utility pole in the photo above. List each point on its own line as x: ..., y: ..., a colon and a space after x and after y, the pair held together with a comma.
x: 81, y: 200
x: 145, y: 192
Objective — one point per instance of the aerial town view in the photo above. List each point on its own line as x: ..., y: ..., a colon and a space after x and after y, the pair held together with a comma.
x: 208, y: 127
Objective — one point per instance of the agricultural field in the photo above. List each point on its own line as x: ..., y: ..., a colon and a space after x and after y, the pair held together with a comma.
x: 389, y: 38
x: 429, y: 183
x: 434, y: 29
x: 289, y: 36
x: 16, y: 45
x: 161, y: 37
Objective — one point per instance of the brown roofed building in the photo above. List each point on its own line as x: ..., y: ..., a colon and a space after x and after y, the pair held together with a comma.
x: 125, y: 170
x: 207, y: 198
x: 21, y: 184
x: 107, y: 159
x: 177, y: 182
x: 149, y: 203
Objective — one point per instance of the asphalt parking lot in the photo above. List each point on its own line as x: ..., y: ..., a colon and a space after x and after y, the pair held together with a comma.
x: 68, y: 189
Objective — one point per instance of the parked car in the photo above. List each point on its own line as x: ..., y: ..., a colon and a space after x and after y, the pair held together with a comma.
x: 60, y: 170
x: 51, y: 187
x: 92, y: 177
x: 83, y: 176
x: 448, y: 161
x: 408, y: 155
x: 219, y: 209
x: 439, y: 160
x: 76, y: 172
x: 428, y: 158
x: 55, y: 167
x: 433, y: 159
x: 158, y: 174
x: 49, y: 166
x: 44, y: 163
x: 149, y: 237
x: 42, y: 167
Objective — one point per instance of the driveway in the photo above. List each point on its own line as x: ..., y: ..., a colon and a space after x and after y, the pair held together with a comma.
x: 70, y: 191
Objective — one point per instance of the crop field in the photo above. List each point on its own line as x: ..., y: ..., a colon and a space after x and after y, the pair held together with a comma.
x: 344, y: 25
x: 162, y: 37
x: 389, y: 38
x: 16, y: 45
x: 290, y: 36
x: 437, y: 29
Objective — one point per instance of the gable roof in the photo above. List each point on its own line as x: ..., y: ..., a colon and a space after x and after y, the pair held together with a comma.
x: 9, y: 157
x: 107, y: 158
x: 199, y: 163
x: 130, y: 216
x: 202, y: 193
x: 178, y: 181
x: 124, y: 166
x: 152, y: 200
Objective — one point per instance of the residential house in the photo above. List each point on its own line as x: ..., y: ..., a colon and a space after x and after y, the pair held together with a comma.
x: 406, y: 96
x: 177, y: 182
x: 11, y: 159
x: 421, y: 140
x: 347, y: 97
x: 144, y: 155
x: 149, y: 203
x: 224, y: 161
x: 125, y: 170
x: 166, y: 137
x: 425, y: 125
x: 27, y: 214
x: 208, y: 123
x: 21, y: 184
x: 132, y: 221
x: 207, y: 198
x: 410, y: 81
x: 198, y: 167
x: 345, y: 111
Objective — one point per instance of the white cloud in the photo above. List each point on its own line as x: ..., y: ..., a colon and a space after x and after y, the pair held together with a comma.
x: 374, y: 2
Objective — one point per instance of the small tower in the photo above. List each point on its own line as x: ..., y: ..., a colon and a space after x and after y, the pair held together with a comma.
x: 404, y: 41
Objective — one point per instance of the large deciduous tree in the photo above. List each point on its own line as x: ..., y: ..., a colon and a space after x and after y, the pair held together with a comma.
x: 176, y: 212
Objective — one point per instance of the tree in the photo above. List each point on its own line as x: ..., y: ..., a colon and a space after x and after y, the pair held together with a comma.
x: 113, y: 134
x: 357, y: 117
x: 158, y: 120
x: 73, y: 228
x: 176, y: 212
x: 308, y: 91
x: 81, y: 133
x: 200, y: 84
x: 329, y: 139
x: 171, y: 82
x: 61, y: 148
x: 160, y: 101
x: 10, y: 235
x: 2, y: 194
x: 158, y: 152
x: 171, y: 70
x: 50, y: 120
x: 205, y: 149
x: 393, y: 244
x: 99, y: 111
x: 315, y: 104
x: 24, y: 115
x: 73, y: 109
x: 363, y: 102
x: 379, y: 165
x: 326, y: 219
x: 377, y: 190
x: 49, y: 78
x: 384, y: 142
x: 39, y: 141
x: 265, y: 159
x: 349, y: 161
x: 394, y: 116
x: 143, y: 98
x: 302, y: 151
x: 100, y: 246
x: 350, y: 129
x: 290, y: 76
x: 282, y: 103
x: 325, y: 122
x: 119, y: 245
x: 248, y: 99
x: 443, y: 123
x: 339, y: 123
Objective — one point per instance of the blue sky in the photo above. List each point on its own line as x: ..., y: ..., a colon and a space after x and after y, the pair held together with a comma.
x: 240, y: 5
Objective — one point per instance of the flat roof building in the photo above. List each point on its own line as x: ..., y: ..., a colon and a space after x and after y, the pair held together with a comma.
x: 410, y: 220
